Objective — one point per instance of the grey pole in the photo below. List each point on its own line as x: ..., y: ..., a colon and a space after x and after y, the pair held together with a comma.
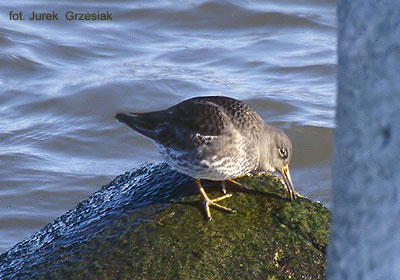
x: 365, y: 230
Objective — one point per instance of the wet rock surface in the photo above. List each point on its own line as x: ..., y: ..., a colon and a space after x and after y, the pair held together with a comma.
x: 149, y: 223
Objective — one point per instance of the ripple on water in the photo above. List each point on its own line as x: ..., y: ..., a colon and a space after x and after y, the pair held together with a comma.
x: 62, y: 83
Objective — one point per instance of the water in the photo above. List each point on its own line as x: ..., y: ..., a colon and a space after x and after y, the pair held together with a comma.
x: 61, y: 83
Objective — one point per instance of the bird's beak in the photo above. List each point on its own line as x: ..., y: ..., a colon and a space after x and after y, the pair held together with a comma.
x: 288, y: 181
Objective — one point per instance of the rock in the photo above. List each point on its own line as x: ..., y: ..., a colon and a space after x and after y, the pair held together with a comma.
x: 149, y: 224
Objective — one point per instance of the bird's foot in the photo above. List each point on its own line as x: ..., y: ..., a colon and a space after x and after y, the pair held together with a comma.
x: 212, y: 203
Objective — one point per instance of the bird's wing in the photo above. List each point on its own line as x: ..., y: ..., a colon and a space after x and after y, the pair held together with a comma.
x: 192, y: 123
x: 183, y: 126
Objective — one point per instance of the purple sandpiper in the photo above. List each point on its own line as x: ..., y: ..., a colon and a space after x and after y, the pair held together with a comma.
x: 216, y: 138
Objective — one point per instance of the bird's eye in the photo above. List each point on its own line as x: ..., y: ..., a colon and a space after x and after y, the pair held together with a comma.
x: 283, y: 153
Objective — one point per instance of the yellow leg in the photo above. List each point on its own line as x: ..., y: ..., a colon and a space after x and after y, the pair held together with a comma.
x: 237, y: 184
x: 211, y: 202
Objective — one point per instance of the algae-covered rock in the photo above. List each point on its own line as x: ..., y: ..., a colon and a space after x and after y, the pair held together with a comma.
x: 149, y: 224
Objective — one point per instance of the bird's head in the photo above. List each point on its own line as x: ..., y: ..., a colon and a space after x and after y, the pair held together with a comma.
x: 278, y: 152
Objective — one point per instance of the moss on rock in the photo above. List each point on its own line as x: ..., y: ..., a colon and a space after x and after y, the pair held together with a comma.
x: 268, y: 238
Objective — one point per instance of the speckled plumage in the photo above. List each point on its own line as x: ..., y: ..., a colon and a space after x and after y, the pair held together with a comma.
x: 214, y: 137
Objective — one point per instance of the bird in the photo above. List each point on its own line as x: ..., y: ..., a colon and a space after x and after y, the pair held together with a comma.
x: 215, y: 138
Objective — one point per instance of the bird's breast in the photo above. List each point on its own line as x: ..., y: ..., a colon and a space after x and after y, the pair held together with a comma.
x: 217, y: 160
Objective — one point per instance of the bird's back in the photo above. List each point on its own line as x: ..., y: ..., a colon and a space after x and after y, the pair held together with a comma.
x: 210, y: 137
x: 206, y: 116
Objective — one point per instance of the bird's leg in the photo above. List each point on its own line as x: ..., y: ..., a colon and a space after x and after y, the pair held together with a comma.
x: 292, y: 194
x: 223, y: 188
x: 211, y: 202
x: 240, y: 186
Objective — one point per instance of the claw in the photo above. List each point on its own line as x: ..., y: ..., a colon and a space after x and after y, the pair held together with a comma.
x: 212, y: 202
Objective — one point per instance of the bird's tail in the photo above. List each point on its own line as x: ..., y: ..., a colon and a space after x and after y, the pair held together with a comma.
x: 144, y: 123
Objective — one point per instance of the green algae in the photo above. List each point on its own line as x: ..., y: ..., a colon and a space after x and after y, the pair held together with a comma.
x: 268, y: 238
